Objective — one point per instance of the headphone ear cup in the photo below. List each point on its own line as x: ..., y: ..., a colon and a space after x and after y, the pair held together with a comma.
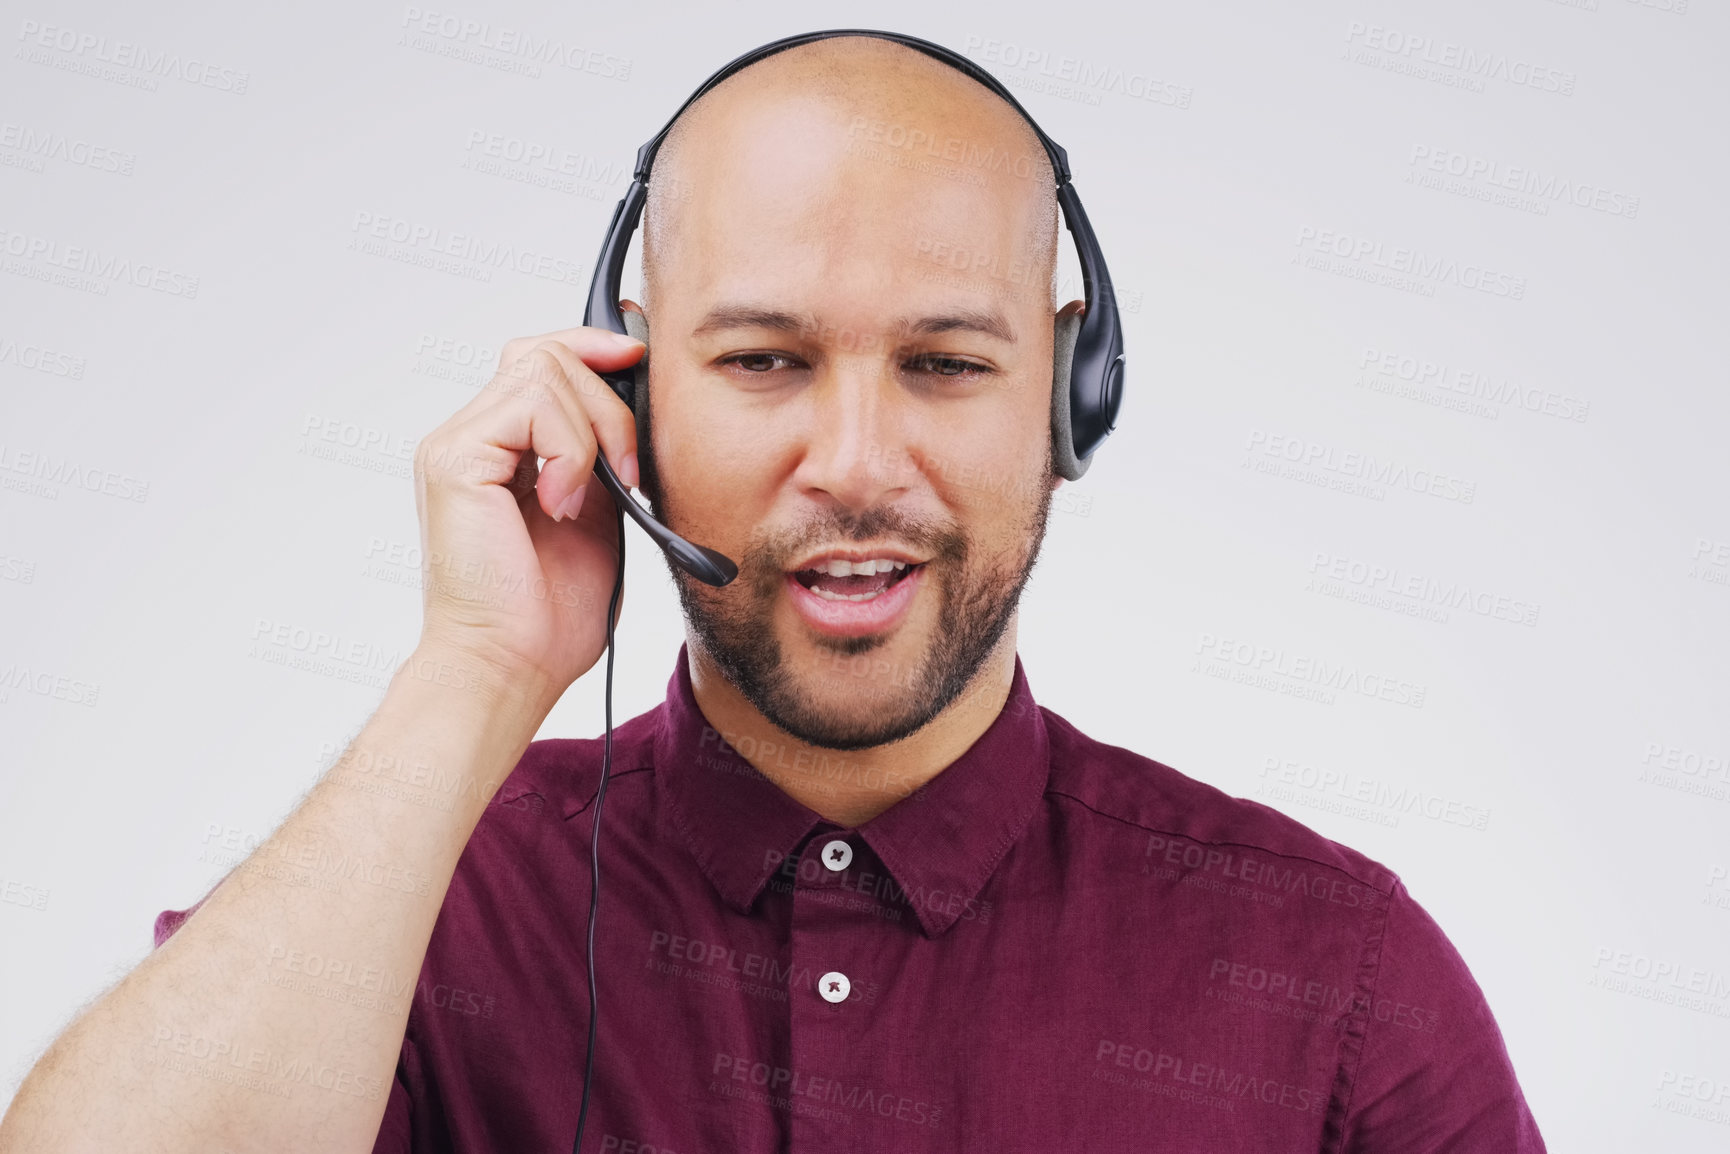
x: 636, y: 325
x: 1063, y: 458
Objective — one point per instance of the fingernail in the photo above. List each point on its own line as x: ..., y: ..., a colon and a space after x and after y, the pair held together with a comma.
x: 628, y: 470
x: 572, y: 506
x: 624, y: 340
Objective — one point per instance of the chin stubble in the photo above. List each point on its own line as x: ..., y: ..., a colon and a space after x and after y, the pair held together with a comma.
x: 734, y: 626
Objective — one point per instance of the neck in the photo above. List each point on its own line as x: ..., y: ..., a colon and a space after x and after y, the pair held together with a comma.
x: 851, y: 787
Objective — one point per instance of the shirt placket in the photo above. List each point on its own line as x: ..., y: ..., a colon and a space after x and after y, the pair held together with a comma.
x: 828, y: 999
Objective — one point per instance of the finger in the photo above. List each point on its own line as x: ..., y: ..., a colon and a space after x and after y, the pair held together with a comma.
x: 543, y: 376
x: 524, y: 481
x: 589, y: 399
x: 604, y: 350
x: 494, y: 446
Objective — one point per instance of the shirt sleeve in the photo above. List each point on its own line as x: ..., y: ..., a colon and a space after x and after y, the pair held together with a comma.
x: 1433, y: 1075
x: 170, y: 920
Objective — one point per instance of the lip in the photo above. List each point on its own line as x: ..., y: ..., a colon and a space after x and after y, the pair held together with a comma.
x: 856, y: 618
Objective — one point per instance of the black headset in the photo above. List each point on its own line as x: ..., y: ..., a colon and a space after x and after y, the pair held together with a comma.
x: 1087, y: 388
x: 1087, y: 376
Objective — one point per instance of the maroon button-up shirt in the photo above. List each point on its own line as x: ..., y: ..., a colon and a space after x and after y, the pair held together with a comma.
x: 1055, y: 944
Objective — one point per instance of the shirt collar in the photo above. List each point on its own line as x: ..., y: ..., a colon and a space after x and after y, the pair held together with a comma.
x: 941, y: 842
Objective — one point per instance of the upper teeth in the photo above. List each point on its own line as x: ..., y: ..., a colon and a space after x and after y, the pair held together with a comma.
x: 840, y: 568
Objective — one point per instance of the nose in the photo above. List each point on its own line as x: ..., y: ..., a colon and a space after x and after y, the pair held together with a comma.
x: 858, y: 452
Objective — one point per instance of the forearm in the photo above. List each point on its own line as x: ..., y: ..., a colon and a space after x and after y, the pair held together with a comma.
x: 274, y: 1017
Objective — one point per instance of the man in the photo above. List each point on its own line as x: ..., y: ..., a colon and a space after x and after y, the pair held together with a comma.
x: 861, y: 892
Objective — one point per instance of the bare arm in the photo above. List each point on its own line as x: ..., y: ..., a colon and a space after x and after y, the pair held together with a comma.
x: 275, y: 1014
x: 274, y: 1017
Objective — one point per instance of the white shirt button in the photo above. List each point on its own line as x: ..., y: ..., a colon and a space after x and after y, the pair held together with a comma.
x: 834, y: 986
x: 837, y: 855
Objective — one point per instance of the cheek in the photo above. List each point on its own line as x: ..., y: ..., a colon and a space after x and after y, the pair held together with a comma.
x: 992, y: 464
x: 715, y: 466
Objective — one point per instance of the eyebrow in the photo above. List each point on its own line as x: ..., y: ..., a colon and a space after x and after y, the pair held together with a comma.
x: 989, y: 322
x: 724, y: 317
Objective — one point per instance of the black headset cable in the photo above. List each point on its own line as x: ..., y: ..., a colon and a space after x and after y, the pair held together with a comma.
x: 595, y: 839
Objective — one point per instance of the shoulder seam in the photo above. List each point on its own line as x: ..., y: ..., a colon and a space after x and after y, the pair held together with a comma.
x: 1360, y: 1036
x: 615, y: 775
x: 1393, y: 879
x: 532, y: 780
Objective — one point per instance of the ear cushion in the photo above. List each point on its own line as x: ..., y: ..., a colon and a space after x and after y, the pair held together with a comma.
x: 637, y: 326
x: 1063, y: 457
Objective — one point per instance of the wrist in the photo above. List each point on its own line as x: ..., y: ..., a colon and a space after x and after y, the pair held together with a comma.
x: 513, y: 688
x: 449, y: 731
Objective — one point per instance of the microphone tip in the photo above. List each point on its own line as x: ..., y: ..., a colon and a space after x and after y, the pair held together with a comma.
x: 704, y: 564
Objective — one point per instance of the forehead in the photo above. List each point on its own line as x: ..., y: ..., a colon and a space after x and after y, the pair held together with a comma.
x: 928, y: 188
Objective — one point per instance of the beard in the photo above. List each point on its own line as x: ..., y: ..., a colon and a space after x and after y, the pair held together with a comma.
x: 979, y: 594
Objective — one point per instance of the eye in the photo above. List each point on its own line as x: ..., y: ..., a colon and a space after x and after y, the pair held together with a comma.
x: 758, y: 363
x: 948, y: 366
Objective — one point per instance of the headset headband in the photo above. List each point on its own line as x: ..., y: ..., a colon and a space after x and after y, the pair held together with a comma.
x: 1087, y: 384
x: 1059, y: 158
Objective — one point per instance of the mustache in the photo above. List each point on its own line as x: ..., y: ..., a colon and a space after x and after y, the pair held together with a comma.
x: 770, y: 551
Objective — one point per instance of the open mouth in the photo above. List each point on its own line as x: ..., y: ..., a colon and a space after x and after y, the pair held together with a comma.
x: 840, y: 580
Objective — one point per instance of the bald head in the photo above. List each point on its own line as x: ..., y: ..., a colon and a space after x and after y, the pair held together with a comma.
x: 843, y: 128
x: 848, y: 261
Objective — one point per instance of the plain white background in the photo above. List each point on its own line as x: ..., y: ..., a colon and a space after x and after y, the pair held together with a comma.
x: 1375, y: 258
